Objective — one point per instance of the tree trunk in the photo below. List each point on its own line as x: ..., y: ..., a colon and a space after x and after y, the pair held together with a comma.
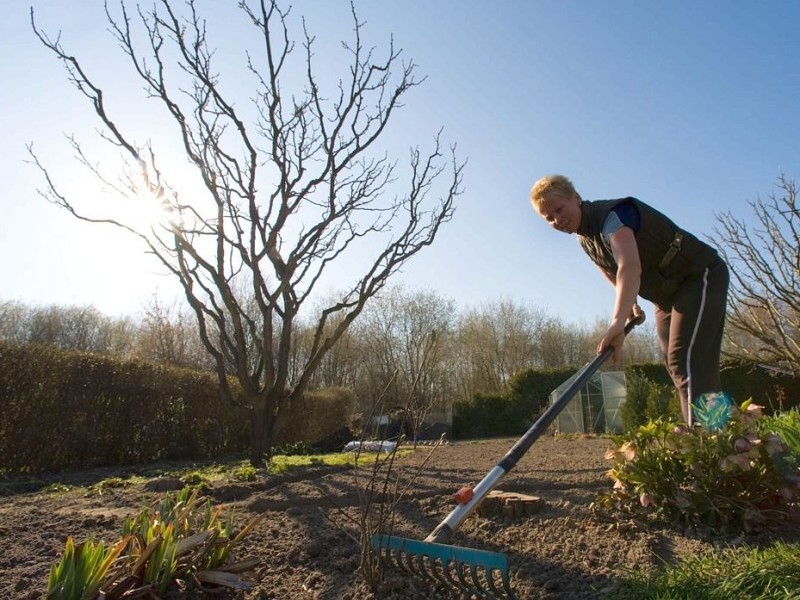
x: 258, y: 435
x: 263, y: 419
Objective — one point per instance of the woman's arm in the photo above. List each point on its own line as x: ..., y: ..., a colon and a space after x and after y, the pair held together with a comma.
x: 626, y: 284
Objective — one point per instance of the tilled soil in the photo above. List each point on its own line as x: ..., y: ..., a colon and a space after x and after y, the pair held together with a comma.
x: 306, y: 538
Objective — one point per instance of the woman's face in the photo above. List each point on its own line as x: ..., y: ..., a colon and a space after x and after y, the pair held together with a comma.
x: 561, y: 211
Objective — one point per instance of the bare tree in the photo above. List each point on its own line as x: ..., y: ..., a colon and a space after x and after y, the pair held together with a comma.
x: 764, y: 297
x: 81, y: 328
x: 404, y: 337
x: 496, y: 341
x: 284, y: 196
x: 13, y: 322
x: 168, y: 334
x: 641, y: 347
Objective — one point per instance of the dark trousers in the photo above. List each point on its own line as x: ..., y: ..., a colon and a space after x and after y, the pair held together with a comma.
x: 690, y: 334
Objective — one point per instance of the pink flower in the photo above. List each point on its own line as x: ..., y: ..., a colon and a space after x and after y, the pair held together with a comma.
x: 645, y: 500
x: 628, y: 450
x: 752, y: 413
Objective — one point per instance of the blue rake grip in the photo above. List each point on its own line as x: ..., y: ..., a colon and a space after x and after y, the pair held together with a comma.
x: 450, y: 565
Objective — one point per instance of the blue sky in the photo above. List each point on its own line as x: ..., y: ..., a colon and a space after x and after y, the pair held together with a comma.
x: 690, y: 106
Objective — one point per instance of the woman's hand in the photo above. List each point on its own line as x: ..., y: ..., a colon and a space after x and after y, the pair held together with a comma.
x: 636, y: 313
x: 615, y: 336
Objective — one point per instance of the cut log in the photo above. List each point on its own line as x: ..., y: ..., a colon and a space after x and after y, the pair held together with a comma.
x: 508, y: 504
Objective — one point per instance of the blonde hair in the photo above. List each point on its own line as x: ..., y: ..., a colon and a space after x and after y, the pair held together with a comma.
x: 551, y: 184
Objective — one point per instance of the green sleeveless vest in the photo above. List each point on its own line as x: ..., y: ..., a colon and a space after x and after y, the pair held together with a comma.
x: 668, y: 254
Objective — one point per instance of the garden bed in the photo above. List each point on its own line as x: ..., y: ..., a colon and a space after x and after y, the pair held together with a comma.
x: 564, y: 549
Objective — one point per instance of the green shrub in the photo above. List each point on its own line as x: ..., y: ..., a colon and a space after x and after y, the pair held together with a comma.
x: 485, y: 416
x: 774, y: 390
x: 735, y: 479
x: 293, y: 449
x: 647, y: 400
x: 633, y: 409
x: 787, y: 425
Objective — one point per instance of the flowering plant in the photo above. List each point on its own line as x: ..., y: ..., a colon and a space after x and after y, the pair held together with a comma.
x: 738, y: 477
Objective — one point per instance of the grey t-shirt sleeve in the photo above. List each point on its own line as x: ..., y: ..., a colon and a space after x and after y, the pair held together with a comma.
x: 622, y: 215
x: 610, y: 227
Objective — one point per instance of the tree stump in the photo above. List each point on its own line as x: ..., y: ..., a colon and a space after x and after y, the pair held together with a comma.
x: 508, y: 504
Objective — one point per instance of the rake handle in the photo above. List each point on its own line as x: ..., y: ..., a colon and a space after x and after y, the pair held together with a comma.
x: 446, y: 528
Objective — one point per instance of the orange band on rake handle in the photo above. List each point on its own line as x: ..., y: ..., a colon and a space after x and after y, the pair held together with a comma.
x: 464, y: 495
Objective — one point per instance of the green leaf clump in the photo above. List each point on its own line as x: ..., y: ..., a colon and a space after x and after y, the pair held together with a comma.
x: 739, y: 478
x: 181, y: 543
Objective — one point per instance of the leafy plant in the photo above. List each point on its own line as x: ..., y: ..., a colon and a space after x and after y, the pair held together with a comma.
x: 293, y: 449
x: 734, y: 479
x: 244, y: 473
x: 787, y: 425
x: 196, y: 480
x: 281, y: 464
x: 108, y: 484
x: 180, y: 542
x: 82, y: 570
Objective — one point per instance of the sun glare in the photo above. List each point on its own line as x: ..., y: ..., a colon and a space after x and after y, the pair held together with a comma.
x: 150, y: 214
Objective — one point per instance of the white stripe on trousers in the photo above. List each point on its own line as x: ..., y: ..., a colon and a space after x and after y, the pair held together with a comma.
x: 690, y: 395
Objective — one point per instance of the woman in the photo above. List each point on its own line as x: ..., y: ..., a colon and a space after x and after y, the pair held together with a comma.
x: 643, y: 253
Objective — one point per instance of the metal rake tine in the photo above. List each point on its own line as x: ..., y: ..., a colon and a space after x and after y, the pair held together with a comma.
x: 473, y: 571
x: 490, y: 583
x: 391, y: 556
x: 507, y: 586
x: 446, y: 570
x: 413, y: 563
x: 464, y: 584
x: 437, y: 567
x: 421, y: 561
x: 506, y: 592
x: 434, y: 569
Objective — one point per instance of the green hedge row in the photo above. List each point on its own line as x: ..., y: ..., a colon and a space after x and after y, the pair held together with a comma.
x: 511, y: 414
x: 65, y: 409
x: 777, y: 392
x: 72, y: 410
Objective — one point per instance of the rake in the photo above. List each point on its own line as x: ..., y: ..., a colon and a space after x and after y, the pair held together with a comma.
x: 478, y: 573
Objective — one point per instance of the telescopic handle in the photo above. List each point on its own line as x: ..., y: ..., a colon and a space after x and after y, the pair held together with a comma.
x: 542, y: 423
x: 453, y: 521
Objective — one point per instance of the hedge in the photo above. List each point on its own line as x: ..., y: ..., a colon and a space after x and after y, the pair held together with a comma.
x: 512, y: 414
x: 72, y: 410
x: 743, y: 381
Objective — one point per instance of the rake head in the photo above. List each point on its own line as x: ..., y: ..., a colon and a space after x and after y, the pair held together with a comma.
x: 477, y: 573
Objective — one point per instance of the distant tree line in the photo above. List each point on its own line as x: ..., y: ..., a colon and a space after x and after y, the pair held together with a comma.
x: 402, y: 336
